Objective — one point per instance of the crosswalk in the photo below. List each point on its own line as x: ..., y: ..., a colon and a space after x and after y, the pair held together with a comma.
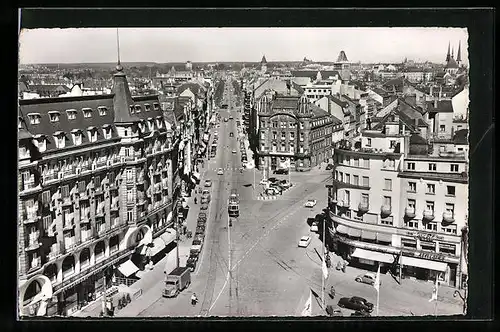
x: 215, y: 169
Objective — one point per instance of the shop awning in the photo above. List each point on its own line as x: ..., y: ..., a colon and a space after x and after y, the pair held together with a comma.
x: 157, y: 246
x: 424, y: 264
x: 169, y: 236
x: 354, y: 232
x: 384, y: 237
x: 373, y: 255
x: 367, y: 235
x: 342, y: 229
x: 128, y: 268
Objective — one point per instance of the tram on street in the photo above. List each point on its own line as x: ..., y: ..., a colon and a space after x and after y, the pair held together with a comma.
x: 233, y: 204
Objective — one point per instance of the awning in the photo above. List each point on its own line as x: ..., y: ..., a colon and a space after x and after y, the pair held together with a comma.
x: 423, y: 263
x: 384, y: 237
x: 342, y: 229
x: 169, y: 236
x: 128, y: 268
x: 354, y: 232
x: 373, y: 255
x: 169, y: 217
x: 157, y: 246
x: 367, y: 235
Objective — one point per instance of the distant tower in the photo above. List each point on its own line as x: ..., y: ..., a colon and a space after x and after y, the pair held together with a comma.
x: 189, y: 66
x: 459, y: 57
x: 448, y: 56
x: 263, y: 64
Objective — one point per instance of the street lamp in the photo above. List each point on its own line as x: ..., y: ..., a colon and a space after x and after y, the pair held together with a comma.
x: 463, y: 297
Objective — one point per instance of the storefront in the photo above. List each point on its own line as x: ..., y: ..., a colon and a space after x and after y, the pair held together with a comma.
x: 424, y: 265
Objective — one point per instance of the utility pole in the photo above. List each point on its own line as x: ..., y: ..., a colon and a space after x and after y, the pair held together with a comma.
x: 177, y: 236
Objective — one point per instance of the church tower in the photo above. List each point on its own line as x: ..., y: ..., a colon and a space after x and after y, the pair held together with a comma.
x: 263, y: 64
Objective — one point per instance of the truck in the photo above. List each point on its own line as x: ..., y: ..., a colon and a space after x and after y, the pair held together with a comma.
x: 233, y: 204
x: 176, y: 281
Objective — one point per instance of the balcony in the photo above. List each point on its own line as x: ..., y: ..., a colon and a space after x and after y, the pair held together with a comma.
x: 31, y: 217
x: 363, y: 207
x: 448, y: 218
x: 86, y: 235
x: 344, y: 204
x: 54, y: 251
x: 69, y: 242
x: 69, y: 225
x: 410, y: 212
x: 115, y: 205
x: 36, y: 263
x: 33, y: 241
x: 428, y: 215
x: 385, y: 210
x: 101, y: 163
x: 100, y: 210
x: 66, y: 201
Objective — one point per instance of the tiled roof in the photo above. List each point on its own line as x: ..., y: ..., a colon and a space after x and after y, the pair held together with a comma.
x: 338, y: 101
x: 22, y: 87
x: 460, y: 137
x: 288, y: 102
x: 417, y: 139
x: 381, y: 92
x: 279, y: 86
x: 318, y: 112
x: 305, y: 73
x: 298, y: 88
x: 194, y: 87
x: 48, y: 88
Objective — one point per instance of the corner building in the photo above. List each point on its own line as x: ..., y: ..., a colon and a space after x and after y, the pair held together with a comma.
x: 95, y: 188
x: 396, y: 202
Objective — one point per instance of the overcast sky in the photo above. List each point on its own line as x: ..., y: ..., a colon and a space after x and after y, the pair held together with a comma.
x: 239, y: 44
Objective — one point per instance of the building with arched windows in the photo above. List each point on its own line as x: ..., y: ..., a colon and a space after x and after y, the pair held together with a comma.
x: 95, y: 188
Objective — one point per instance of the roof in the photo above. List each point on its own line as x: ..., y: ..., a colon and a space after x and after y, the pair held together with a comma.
x: 381, y: 92
x: 263, y: 61
x: 460, y: 137
x: 396, y: 82
x: 443, y: 106
x: 288, y: 102
x: 417, y: 139
x: 122, y: 99
x: 337, y: 101
x: 280, y: 86
x: 194, y: 87
x: 22, y: 87
x: 342, y: 57
x: 48, y: 88
x: 451, y: 64
x: 169, y: 116
x: 318, y: 112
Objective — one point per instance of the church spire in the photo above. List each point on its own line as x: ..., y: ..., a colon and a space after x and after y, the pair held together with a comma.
x: 448, y: 54
x: 118, y: 66
x: 452, y: 52
x: 459, y: 57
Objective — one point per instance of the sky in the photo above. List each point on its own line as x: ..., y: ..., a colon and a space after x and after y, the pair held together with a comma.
x: 368, y: 45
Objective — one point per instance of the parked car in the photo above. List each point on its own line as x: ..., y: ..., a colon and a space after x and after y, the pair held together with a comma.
x: 277, y: 188
x: 196, y: 245
x: 205, y: 194
x: 191, y: 263
x: 329, y: 167
x: 360, y: 314
x: 314, y: 227
x: 285, y: 184
x: 273, y: 179
x: 231, y: 117
x: 204, y: 206
x: 208, y: 183
x: 202, y: 215
x: 200, y: 229
x: 201, y: 223
x: 199, y: 237
x: 367, y: 278
x: 356, y: 303
x: 271, y: 191
x: 304, y: 241
x: 311, y: 203
x: 220, y: 171
x: 175, y: 282
x: 200, y: 233
x: 281, y: 171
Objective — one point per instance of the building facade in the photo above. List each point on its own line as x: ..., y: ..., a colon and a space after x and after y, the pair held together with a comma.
x: 95, y: 188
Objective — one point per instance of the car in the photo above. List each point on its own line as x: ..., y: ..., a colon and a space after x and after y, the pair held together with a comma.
x: 334, y: 311
x: 205, y: 193
x: 367, y: 278
x: 220, y: 171
x: 358, y: 313
x: 329, y: 167
x: 204, y: 206
x: 272, y: 191
x: 311, y: 203
x: 314, y: 227
x: 234, y: 151
x: 200, y: 234
x: 200, y: 229
x: 191, y: 263
x: 225, y: 119
x: 276, y: 187
x: 285, y: 183
x: 208, y: 183
x: 264, y: 182
x: 273, y: 180
x: 356, y: 303
x: 194, y: 253
x: 281, y: 171
x: 200, y: 237
x: 304, y: 241
x: 202, y: 215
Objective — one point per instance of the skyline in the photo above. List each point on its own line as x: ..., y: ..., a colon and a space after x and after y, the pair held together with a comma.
x: 162, y: 45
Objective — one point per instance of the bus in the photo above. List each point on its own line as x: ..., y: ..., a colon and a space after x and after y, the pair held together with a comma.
x: 233, y: 204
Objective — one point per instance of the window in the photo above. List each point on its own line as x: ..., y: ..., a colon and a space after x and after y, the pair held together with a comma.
x: 87, y: 112
x: 81, y: 186
x: 447, y: 248
x: 71, y: 114
x: 92, y: 133
x: 283, y: 148
x: 130, y: 215
x: 364, y: 198
x: 429, y: 206
x: 366, y: 181
x: 431, y: 188
x: 262, y: 146
x: 97, y: 181
x: 275, y: 124
x: 388, y: 184
x: 47, y: 221
x: 301, y: 149
x: 263, y: 124
x: 432, y: 166
x: 283, y: 135
x: 454, y: 167
x: 450, y: 208
x: 274, y: 147
x: 292, y: 148
x: 46, y: 197
x: 156, y: 106
x: 451, y: 229
x: 125, y: 133
x: 410, y: 166
x: 54, y: 116
x: 60, y: 140
x: 430, y: 246
x: 411, y: 203
x: 292, y: 135
x: 65, y: 191
x: 411, y: 224
x: 147, y: 107
x: 442, y: 128
x: 129, y: 175
x: 392, y: 144
x: 356, y: 162
x: 107, y: 132
x: 34, y: 118
x: 442, y: 148
x: 347, y: 178
x: 368, y: 142
x: 431, y: 226
x: 262, y: 134
x: 408, y: 243
x: 387, y: 200
x: 130, y: 196
x: 301, y: 137
x: 77, y: 138
x: 412, y: 187
x: 366, y: 163
x: 450, y: 190
x: 275, y: 134
x: 302, y: 125
x: 347, y: 197
x: 127, y: 152
x: 102, y: 110
x: 159, y: 123
x: 355, y: 179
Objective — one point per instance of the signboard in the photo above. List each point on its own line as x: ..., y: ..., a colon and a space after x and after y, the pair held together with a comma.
x: 424, y: 236
x: 433, y: 256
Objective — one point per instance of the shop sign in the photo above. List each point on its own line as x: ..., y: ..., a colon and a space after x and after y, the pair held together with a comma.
x: 425, y: 236
x: 433, y: 256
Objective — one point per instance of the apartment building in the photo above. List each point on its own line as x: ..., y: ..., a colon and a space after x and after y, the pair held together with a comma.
x: 398, y: 203
x: 95, y: 188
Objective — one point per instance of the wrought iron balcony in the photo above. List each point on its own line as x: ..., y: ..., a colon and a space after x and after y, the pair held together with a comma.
x: 428, y: 215
x: 448, y: 217
x: 385, y: 210
x: 33, y: 241
x: 410, y: 212
x: 343, y: 204
x: 363, y: 207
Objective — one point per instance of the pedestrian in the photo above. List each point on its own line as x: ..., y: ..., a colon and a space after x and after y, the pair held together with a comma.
x: 194, y: 299
x: 195, y: 200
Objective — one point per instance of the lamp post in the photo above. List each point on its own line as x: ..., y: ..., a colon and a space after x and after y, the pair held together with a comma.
x: 463, y: 297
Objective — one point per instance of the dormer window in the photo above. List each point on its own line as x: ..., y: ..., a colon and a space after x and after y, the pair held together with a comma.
x: 71, y: 114
x: 77, y: 136
x: 20, y: 123
x: 151, y: 124
x: 107, y: 131
x: 54, y: 116
x: 40, y: 142
x: 137, y: 108
x: 159, y: 122
x: 60, y: 139
x: 156, y: 106
x: 147, y: 107
x: 92, y: 133
x: 102, y: 110
x: 131, y: 109
x: 87, y: 112
x: 34, y: 118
